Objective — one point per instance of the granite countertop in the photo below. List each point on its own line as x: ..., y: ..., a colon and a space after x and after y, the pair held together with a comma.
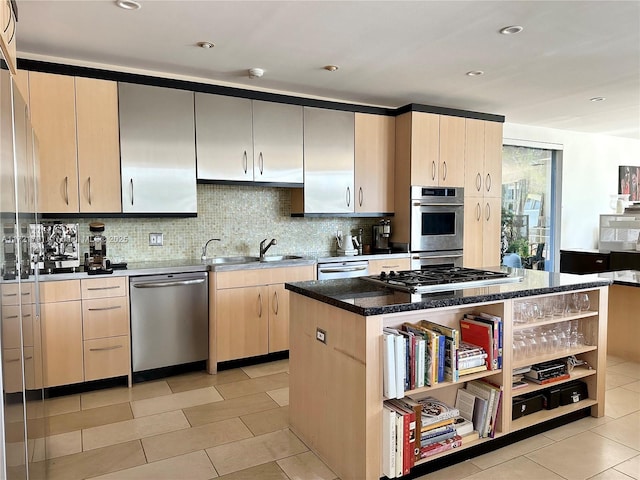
x: 364, y: 298
x: 629, y: 278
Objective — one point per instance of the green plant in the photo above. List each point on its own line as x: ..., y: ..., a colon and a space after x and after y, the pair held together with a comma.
x: 519, y: 246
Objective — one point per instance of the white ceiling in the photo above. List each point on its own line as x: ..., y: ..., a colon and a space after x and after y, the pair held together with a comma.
x: 390, y: 53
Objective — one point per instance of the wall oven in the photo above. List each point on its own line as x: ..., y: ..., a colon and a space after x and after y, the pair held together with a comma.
x: 437, y: 224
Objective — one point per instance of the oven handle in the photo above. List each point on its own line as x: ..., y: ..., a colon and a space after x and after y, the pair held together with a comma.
x: 421, y: 204
x: 418, y: 257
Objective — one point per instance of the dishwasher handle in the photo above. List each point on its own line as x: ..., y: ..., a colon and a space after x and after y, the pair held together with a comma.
x: 168, y: 284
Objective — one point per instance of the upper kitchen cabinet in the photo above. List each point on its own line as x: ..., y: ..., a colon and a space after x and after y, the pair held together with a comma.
x: 8, y: 34
x: 98, y: 145
x: 430, y: 149
x: 483, y: 158
x: 277, y: 142
x: 328, y: 163
x: 53, y: 115
x: 244, y: 140
x: 76, y: 122
x: 224, y: 137
x: 157, y: 144
x: 374, y: 163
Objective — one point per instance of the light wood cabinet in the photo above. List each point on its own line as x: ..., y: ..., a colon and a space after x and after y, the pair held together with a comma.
x: 8, y: 25
x: 98, y: 145
x: 249, y: 311
x: 374, y: 163
x: 377, y: 266
x: 350, y: 364
x: 483, y: 193
x: 76, y: 122
x: 85, y: 330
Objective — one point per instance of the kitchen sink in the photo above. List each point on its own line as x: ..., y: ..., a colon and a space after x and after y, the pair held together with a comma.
x: 231, y: 260
x: 280, y: 258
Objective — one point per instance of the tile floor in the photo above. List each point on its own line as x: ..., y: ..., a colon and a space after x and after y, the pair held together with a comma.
x: 197, y: 426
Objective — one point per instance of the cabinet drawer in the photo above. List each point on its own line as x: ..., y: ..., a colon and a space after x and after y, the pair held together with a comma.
x: 12, y: 296
x: 106, y: 357
x: 105, y: 317
x: 386, y: 265
x: 11, y: 326
x: 104, y: 287
x: 63, y: 291
x: 12, y: 369
x: 264, y: 276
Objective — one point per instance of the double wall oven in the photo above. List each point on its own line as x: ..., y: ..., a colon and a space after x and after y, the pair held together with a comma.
x: 437, y: 223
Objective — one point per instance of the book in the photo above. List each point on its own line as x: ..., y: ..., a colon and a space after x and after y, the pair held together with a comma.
x: 399, y: 444
x: 442, y: 423
x: 465, y: 401
x: 466, y: 350
x: 467, y: 371
x: 463, y: 426
x: 389, y: 368
x: 452, y: 341
x: 480, y: 334
x: 389, y: 442
x: 420, y: 362
x: 431, y: 351
x: 415, y: 428
x: 435, y: 448
x: 400, y: 352
x: 498, y: 333
x: 558, y: 378
x: 484, y: 392
x: 442, y: 351
x: 408, y: 433
x: 437, y: 438
x: 434, y: 410
x: 434, y: 432
x: 495, y: 393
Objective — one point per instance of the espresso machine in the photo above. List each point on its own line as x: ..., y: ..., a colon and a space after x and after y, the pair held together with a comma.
x: 9, y: 252
x: 381, y: 237
x: 96, y: 262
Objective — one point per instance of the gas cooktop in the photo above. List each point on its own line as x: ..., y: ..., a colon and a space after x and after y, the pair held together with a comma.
x: 439, y: 279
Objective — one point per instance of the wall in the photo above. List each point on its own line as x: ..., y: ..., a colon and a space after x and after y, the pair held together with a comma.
x: 241, y: 216
x: 589, y: 176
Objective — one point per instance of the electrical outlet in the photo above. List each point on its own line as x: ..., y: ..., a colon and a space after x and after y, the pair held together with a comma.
x: 156, y: 239
x: 321, y: 335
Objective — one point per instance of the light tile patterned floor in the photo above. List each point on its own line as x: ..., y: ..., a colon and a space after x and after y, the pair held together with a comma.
x: 198, y: 426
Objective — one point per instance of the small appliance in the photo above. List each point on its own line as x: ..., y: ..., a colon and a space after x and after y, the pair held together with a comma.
x: 96, y: 262
x: 53, y: 247
x: 9, y: 252
x: 381, y: 235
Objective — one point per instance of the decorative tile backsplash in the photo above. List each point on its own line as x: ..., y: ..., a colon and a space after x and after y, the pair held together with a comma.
x: 240, y: 216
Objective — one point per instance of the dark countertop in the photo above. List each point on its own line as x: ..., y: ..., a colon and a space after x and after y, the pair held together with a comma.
x: 597, y: 251
x: 367, y: 299
x: 630, y: 278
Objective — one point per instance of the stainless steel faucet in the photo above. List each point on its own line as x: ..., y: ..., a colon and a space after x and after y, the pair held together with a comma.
x: 204, y: 249
x: 264, y: 249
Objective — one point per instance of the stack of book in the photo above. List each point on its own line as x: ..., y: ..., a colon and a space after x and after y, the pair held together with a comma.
x: 485, y: 331
x: 479, y: 402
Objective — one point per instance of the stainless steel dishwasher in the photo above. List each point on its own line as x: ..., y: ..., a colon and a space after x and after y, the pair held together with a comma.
x: 169, y: 320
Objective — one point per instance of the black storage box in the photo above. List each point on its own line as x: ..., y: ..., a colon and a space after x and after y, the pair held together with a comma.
x: 573, y: 392
x: 527, y: 404
x: 552, y: 397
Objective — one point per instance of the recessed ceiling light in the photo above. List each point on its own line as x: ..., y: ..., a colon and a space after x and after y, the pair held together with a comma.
x: 475, y: 73
x: 331, y: 68
x: 205, y: 45
x: 128, y: 4
x: 512, y: 30
x: 597, y: 99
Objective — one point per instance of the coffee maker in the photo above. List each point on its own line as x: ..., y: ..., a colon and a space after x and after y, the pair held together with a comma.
x: 381, y: 236
x: 9, y: 252
x: 96, y: 262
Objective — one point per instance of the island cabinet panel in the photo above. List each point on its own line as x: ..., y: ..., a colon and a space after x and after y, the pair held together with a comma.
x: 336, y: 374
x: 624, y: 331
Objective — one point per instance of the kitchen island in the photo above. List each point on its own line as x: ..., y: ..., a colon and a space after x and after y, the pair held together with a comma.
x: 624, y: 313
x: 336, y: 381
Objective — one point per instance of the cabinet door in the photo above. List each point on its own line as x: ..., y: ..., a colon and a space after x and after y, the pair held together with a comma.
x: 425, y: 148
x: 8, y: 34
x: 53, y: 116
x: 157, y: 145
x: 473, y: 231
x: 493, y: 159
x: 452, y: 139
x: 224, y: 137
x: 278, y: 318
x: 491, y: 231
x: 242, y: 316
x: 277, y: 142
x: 374, y: 163
x: 61, y: 325
x: 98, y: 145
x: 328, y: 161
x: 474, y: 158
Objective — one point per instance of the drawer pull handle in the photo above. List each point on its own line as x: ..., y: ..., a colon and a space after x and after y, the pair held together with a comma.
x: 275, y: 303
x: 103, y: 288
x: 12, y: 316
x: 390, y: 266
x: 114, y: 347
x: 9, y: 294
x: 115, y: 307
x: 28, y: 358
x: 24, y: 294
x: 13, y: 360
x: 599, y: 261
x: 26, y: 315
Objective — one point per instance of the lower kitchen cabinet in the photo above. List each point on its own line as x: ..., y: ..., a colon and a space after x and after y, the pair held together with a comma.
x: 62, y: 342
x: 106, y: 357
x: 249, y: 311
